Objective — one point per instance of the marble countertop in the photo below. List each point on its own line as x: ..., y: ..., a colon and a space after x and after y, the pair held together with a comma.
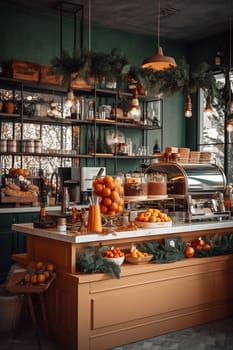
x: 35, y: 209
x: 74, y: 237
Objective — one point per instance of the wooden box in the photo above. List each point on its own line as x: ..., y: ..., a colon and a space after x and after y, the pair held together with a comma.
x: 80, y: 83
x: 23, y: 70
x: 47, y: 77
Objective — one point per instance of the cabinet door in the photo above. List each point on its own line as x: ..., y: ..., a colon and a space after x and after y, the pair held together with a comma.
x: 7, y: 243
x: 20, y: 239
x: 6, y: 247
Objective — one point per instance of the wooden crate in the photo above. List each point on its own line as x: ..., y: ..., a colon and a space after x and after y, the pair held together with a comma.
x: 23, y: 70
x: 80, y: 83
x: 47, y: 77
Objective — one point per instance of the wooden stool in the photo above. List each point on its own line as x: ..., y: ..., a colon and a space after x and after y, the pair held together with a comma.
x: 30, y: 291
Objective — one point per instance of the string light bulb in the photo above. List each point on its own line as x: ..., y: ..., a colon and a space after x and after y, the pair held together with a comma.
x: 208, y: 107
x: 229, y: 126
x: 188, y: 107
x: 69, y: 98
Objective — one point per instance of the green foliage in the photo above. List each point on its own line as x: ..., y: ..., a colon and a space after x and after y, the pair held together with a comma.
x: 91, y: 260
x: 164, y: 253
x: 115, y: 67
x: 221, y: 245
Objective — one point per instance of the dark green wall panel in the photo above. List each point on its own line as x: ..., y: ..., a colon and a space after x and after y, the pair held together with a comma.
x: 35, y: 37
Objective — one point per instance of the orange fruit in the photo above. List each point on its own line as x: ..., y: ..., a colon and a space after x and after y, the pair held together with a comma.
x: 33, y: 279
x: 47, y: 274
x: 103, y: 208
x: 108, y: 178
x: 106, y: 192
x: 39, y: 265
x: 107, y: 201
x: 115, y: 196
x: 27, y: 277
x: 41, y: 278
x: 50, y: 267
x: 114, y: 206
x: 98, y: 188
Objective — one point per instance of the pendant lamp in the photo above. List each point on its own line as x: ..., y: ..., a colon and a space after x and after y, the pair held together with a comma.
x: 159, y: 61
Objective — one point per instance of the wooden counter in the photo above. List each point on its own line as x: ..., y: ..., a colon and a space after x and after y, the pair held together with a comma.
x: 95, y: 312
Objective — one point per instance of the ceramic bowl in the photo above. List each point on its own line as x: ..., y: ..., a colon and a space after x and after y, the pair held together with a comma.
x: 119, y: 261
x: 139, y: 260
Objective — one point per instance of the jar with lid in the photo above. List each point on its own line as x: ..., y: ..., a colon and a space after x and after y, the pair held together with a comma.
x: 3, y: 146
x: 11, y: 145
x: 135, y: 186
x: 157, y: 185
x: 61, y: 224
x: 29, y: 146
x: 37, y: 145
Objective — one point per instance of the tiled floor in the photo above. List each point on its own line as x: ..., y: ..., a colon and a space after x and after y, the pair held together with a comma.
x: 216, y: 335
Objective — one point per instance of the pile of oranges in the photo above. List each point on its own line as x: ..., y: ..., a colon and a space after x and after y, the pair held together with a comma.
x: 113, y: 253
x: 136, y: 253
x: 152, y: 215
x: 110, y: 189
x: 38, y: 272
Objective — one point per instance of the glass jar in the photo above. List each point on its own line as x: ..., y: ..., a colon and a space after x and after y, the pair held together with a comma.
x: 3, y: 146
x: 135, y: 186
x: 11, y: 146
x: 61, y: 224
x: 157, y: 185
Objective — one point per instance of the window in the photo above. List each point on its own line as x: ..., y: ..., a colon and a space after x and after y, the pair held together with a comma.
x: 212, y: 135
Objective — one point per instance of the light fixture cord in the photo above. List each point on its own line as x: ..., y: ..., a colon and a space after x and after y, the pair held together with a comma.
x: 89, y: 26
x: 158, y: 23
x: 230, y: 65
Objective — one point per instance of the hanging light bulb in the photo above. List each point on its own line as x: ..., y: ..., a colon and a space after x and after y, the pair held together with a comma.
x: 69, y: 98
x: 208, y: 107
x: 188, y: 107
x: 159, y: 61
x: 135, y: 111
x: 229, y: 126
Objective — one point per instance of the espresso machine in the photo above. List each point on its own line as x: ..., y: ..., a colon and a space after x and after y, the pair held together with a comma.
x: 70, y: 178
x: 87, y: 175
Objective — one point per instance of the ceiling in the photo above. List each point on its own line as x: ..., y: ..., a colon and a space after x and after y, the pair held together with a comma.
x: 183, y: 20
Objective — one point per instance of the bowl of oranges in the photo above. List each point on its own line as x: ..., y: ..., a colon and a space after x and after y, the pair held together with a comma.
x: 137, y: 257
x: 115, y: 255
x: 152, y: 218
x: 110, y: 190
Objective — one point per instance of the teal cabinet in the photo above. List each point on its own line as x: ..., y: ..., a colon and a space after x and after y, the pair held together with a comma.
x: 11, y: 242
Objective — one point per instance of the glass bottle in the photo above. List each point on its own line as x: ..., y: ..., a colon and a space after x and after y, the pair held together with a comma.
x: 91, y: 142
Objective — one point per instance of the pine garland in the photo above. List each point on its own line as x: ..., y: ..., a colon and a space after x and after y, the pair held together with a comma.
x: 115, y: 67
x: 91, y: 260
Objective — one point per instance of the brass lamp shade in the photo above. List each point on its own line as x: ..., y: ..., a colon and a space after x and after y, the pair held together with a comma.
x: 159, y: 61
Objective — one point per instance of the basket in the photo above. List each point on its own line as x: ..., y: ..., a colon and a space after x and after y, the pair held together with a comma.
x: 10, y: 306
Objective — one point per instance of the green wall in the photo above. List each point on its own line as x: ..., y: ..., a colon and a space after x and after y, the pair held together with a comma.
x: 35, y: 37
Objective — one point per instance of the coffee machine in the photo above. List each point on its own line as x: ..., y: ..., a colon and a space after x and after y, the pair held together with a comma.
x: 87, y: 175
x: 70, y: 178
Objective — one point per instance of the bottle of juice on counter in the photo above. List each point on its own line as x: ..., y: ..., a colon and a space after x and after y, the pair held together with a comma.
x: 94, y: 224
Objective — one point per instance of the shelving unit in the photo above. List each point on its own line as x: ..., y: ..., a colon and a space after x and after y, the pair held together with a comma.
x: 76, y: 153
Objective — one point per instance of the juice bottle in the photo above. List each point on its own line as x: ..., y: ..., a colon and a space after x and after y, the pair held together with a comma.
x: 94, y: 217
